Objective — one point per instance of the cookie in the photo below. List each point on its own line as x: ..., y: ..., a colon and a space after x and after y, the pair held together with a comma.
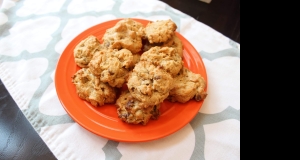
x: 149, y: 84
x: 113, y: 66
x: 173, y: 42
x: 91, y: 89
x: 131, y: 110
x: 160, y: 31
x: 176, y: 43
x: 166, y: 58
x: 84, y: 51
x: 187, y: 86
x: 127, y: 34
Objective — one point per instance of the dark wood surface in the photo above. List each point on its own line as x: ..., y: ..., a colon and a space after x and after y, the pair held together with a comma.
x: 221, y: 15
x: 18, y: 140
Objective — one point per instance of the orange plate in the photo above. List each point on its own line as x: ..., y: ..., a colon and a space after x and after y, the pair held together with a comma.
x: 104, y: 120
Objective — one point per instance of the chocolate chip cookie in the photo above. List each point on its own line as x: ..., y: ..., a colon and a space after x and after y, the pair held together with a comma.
x: 160, y: 31
x: 149, y: 84
x: 84, y: 51
x: 131, y: 110
x: 187, y: 86
x: 113, y: 66
x: 166, y: 58
x: 127, y: 34
x: 90, y: 88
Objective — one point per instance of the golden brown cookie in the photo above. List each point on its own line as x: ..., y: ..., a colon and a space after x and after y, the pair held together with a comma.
x: 160, y: 31
x: 127, y: 34
x: 166, y: 58
x: 174, y: 42
x: 91, y: 89
x: 149, y: 84
x: 113, y: 66
x: 131, y: 110
x: 188, y: 85
x: 84, y: 51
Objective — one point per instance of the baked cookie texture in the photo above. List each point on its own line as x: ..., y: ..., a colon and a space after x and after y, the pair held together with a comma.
x: 91, y: 89
x: 131, y: 110
x: 149, y: 84
x: 176, y: 43
x: 127, y: 34
x: 173, y: 42
x: 160, y: 31
x: 187, y: 86
x: 113, y: 65
x: 166, y: 58
x: 84, y: 51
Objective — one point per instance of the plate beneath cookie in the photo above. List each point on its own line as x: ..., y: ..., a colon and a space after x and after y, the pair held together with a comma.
x: 104, y: 120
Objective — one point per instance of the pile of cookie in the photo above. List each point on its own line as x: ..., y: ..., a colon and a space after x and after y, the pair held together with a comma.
x: 147, y: 60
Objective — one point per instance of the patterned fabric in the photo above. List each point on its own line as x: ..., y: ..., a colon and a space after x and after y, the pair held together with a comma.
x: 33, y: 35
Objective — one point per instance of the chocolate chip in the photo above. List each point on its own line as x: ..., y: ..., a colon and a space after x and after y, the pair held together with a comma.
x: 132, y: 89
x: 110, y: 72
x: 124, y: 115
x: 129, y: 104
x: 198, y: 97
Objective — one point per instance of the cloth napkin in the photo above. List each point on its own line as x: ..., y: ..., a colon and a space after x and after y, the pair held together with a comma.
x: 33, y: 35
